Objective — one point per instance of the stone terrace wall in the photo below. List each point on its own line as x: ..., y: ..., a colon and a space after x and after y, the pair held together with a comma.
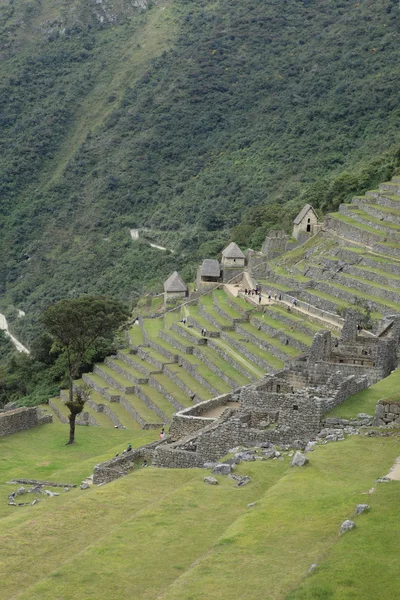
x: 387, y: 412
x: 21, y: 419
x: 190, y: 420
x: 123, y: 464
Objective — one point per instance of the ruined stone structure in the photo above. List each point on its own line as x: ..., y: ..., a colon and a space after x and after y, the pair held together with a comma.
x: 305, y: 223
x: 174, y: 288
x: 21, y: 419
x: 386, y: 412
x: 275, y: 243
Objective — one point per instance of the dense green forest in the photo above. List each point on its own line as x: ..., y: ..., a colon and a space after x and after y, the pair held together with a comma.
x: 201, y: 122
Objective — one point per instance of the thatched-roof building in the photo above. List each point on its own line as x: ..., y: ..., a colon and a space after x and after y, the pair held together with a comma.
x: 232, y: 256
x: 210, y: 270
x: 175, y: 287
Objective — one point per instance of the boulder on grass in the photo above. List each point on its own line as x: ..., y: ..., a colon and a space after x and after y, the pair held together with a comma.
x: 222, y: 469
x: 210, y: 480
x: 299, y: 460
x: 360, y: 508
x: 347, y: 525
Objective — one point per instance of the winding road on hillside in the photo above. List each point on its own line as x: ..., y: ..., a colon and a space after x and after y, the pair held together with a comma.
x: 4, y: 326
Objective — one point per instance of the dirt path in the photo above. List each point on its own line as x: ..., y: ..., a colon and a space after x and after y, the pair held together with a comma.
x: 4, y: 326
x: 394, y: 472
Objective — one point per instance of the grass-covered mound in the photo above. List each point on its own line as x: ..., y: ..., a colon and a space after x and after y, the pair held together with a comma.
x: 165, y: 534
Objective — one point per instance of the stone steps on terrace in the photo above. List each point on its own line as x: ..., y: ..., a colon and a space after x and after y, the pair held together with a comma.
x: 390, y: 229
x: 264, y: 360
x: 268, y: 343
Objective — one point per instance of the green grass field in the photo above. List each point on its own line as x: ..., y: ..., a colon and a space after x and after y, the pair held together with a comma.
x: 164, y: 534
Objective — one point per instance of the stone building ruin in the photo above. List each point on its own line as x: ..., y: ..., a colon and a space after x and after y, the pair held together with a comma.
x: 305, y: 224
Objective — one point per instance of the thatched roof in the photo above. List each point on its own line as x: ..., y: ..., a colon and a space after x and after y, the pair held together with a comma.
x: 210, y: 268
x: 232, y: 251
x: 303, y: 213
x: 175, y: 283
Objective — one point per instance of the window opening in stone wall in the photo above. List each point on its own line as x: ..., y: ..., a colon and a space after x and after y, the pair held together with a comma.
x: 278, y: 389
x: 295, y: 407
x: 308, y: 225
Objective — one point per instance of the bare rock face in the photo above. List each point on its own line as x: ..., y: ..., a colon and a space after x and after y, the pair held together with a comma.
x: 347, y: 525
x: 299, y: 460
x: 211, y: 480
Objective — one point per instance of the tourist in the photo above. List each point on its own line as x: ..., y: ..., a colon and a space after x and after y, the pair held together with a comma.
x: 144, y: 463
x: 245, y: 291
x: 259, y: 299
x: 129, y: 448
x: 162, y: 434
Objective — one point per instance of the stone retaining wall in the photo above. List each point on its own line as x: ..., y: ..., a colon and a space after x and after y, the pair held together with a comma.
x: 100, y: 390
x: 352, y: 232
x: 375, y: 277
x: 175, y: 343
x: 137, y: 364
x: 213, y: 321
x: 186, y: 333
x: 123, y: 464
x: 374, y: 211
x: 279, y: 335
x: 114, y: 383
x: 21, y: 419
x: 392, y: 296
x: 125, y: 373
x: 209, y: 363
x: 263, y: 344
x: 169, y: 355
x: 390, y: 267
x: 193, y: 323
x: 388, y: 250
x: 386, y: 412
x: 156, y: 385
x: 349, y: 296
x: 389, y: 232
x: 229, y: 359
x: 241, y: 347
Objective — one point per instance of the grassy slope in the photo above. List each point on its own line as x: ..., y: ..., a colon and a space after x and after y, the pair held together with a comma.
x: 365, y: 401
x: 164, y: 534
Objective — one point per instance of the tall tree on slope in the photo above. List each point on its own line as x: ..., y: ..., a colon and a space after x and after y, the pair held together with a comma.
x: 76, y: 326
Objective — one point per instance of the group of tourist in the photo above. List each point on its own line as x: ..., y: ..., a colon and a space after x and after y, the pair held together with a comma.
x: 204, y: 332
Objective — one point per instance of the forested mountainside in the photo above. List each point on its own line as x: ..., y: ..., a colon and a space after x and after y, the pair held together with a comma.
x: 197, y: 121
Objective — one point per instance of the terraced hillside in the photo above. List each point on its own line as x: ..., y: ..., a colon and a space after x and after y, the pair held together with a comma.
x: 168, y: 364
x: 356, y: 259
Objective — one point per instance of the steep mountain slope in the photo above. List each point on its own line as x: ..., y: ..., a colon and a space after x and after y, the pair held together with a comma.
x: 177, y: 117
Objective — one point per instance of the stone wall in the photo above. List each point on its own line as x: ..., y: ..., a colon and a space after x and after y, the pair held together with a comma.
x: 386, y: 412
x: 21, y: 419
x: 229, y: 359
x: 123, y: 464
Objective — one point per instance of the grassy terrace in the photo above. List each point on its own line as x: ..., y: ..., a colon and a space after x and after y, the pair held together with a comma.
x: 193, y: 311
x: 264, y: 337
x: 221, y: 299
x: 275, y: 311
x: 338, y: 302
x: 155, y: 509
x: 192, y: 383
x: 365, y: 401
x: 127, y: 368
x: 135, y: 358
x: 251, y: 368
x: 372, y: 255
x: 275, y: 362
x: 378, y: 286
x: 136, y: 335
x: 386, y: 274
x: 277, y: 286
x: 390, y: 211
x: 282, y: 272
x: 285, y: 329
x: 350, y: 221
x: 224, y: 366
x: 365, y: 215
x: 174, y: 390
x: 208, y: 306
x: 159, y: 400
x: 356, y: 292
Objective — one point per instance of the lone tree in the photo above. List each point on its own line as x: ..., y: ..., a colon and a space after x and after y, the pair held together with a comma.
x: 76, y: 325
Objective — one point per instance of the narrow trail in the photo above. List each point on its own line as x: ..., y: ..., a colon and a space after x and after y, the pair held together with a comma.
x: 4, y: 326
